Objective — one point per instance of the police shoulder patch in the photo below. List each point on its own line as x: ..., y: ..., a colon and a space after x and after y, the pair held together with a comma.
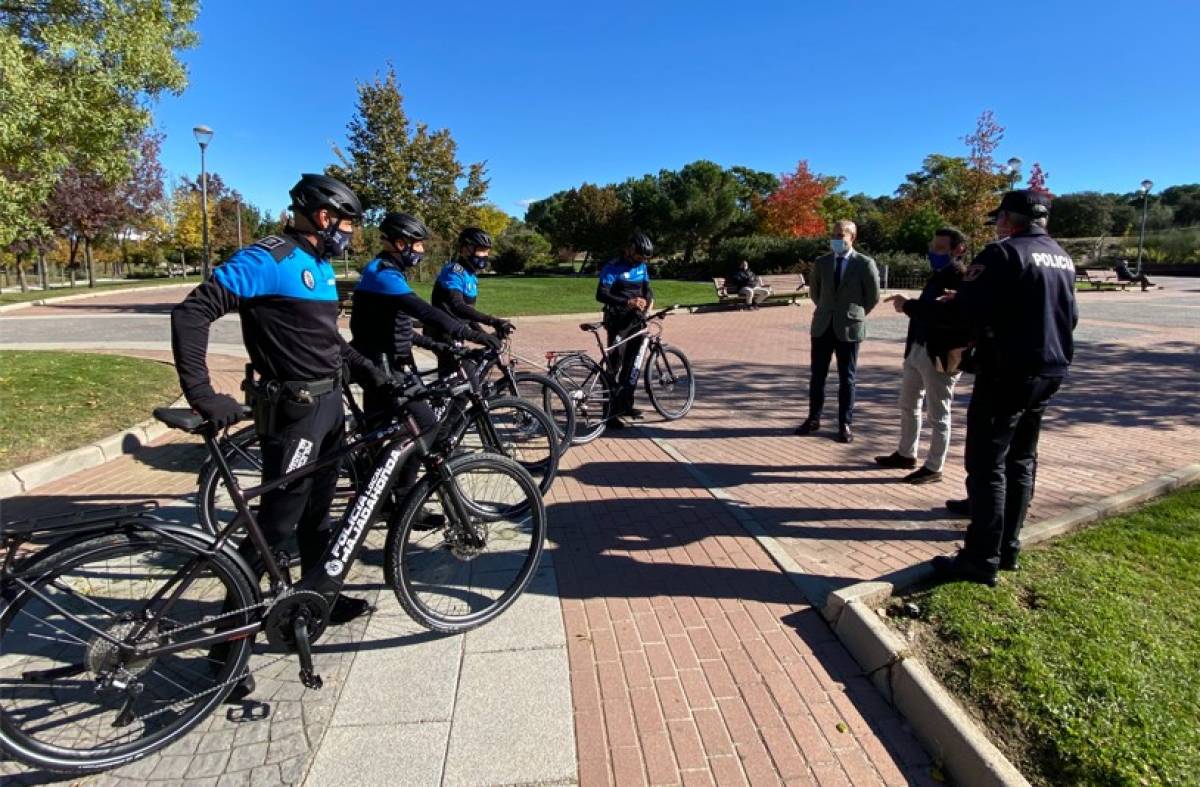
x: 973, y: 272
x: 309, y: 280
x: 279, y: 247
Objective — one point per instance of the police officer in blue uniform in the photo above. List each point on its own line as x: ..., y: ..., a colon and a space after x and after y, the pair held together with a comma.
x: 624, y: 289
x: 1018, y: 297
x: 385, y: 306
x: 283, y: 288
x: 457, y: 289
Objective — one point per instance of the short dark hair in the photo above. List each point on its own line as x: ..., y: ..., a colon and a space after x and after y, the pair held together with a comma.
x: 956, y: 236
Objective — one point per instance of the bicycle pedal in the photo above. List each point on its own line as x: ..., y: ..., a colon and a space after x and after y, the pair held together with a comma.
x: 311, y: 680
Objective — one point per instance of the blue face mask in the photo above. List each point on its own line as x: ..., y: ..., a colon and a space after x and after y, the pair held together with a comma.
x: 408, y: 258
x: 334, y: 241
x: 939, y: 261
x: 839, y: 246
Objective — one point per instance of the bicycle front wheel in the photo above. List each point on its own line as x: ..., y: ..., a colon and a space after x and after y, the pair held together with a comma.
x: 591, y: 394
x: 70, y: 700
x: 519, y: 430
x: 669, y: 382
x: 553, y: 400
x: 477, y: 558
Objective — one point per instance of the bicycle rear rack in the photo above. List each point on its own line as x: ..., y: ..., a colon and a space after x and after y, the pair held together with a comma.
x: 84, y: 519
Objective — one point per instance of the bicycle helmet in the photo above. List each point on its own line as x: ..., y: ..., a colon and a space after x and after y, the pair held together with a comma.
x: 314, y: 192
x: 475, y: 236
x: 640, y: 243
x: 403, y: 226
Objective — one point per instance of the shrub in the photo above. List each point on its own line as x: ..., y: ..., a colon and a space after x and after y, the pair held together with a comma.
x: 766, y: 254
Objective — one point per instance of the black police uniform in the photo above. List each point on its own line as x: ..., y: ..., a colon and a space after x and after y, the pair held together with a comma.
x: 455, y: 292
x: 285, y: 294
x: 1018, y: 295
x: 620, y: 281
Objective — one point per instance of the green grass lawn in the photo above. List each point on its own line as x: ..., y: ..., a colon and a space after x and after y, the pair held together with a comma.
x: 54, y: 401
x: 1085, y: 665
x: 81, y: 288
x: 519, y: 296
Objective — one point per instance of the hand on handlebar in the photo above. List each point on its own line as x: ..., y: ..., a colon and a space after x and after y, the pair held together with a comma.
x: 485, y: 339
x: 504, y: 328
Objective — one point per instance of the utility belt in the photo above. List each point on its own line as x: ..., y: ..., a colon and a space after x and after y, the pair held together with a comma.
x: 275, y: 402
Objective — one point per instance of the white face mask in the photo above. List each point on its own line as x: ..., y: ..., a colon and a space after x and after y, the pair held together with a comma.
x: 839, y: 246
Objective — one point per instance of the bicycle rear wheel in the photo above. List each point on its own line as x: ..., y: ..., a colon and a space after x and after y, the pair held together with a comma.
x: 551, y: 397
x: 522, y: 432
x: 588, y: 386
x: 669, y: 382
x: 69, y: 700
x: 471, y: 568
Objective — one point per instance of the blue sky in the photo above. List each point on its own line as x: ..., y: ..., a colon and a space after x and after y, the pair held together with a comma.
x: 552, y: 94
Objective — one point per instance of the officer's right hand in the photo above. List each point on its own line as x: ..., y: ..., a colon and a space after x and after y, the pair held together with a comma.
x: 220, y: 410
x: 486, y: 339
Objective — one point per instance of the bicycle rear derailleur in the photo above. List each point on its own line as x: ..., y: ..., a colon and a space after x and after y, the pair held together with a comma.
x: 296, y: 620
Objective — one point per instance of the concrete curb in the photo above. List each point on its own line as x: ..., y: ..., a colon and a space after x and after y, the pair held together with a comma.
x: 938, y: 720
x: 53, y: 299
x: 28, y: 477
x: 936, y: 717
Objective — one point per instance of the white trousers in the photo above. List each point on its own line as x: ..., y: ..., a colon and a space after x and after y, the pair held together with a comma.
x: 923, y: 382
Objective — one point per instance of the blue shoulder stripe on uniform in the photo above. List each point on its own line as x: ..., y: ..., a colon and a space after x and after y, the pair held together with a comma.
x: 383, y: 280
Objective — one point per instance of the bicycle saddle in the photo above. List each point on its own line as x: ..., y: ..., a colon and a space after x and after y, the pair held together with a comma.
x: 591, y: 326
x: 186, y: 419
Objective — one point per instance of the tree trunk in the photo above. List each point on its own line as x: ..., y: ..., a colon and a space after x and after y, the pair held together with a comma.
x: 87, y: 258
x: 21, y: 274
x: 43, y: 274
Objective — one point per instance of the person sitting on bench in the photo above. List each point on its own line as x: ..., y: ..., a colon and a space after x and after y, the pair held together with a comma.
x: 1124, y: 274
x: 746, y: 283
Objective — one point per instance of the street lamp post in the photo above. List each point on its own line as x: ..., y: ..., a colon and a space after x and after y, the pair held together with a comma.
x: 1014, y: 171
x: 1146, y: 186
x: 203, y: 135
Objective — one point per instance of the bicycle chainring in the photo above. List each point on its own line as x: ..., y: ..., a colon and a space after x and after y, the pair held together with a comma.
x: 278, y: 625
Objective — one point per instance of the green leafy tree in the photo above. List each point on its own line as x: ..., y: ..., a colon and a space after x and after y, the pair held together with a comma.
x: 1087, y: 214
x: 492, y: 219
x: 593, y: 219
x: 702, y: 201
x: 395, y: 165
x: 520, y: 247
x: 753, y: 189
x: 77, y: 80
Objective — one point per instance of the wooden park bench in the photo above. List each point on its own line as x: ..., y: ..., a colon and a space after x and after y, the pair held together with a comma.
x: 345, y: 292
x: 1099, y: 278
x: 785, y: 288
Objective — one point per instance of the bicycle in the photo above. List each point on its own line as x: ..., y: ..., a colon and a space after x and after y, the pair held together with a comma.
x: 498, y: 374
x: 667, y: 376
x: 124, y: 632
x: 506, y: 425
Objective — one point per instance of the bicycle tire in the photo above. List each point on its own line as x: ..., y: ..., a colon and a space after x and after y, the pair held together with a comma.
x: 517, y: 436
x: 588, y: 385
x: 662, y: 379
x: 550, y: 396
x: 23, y: 746
x: 403, y: 555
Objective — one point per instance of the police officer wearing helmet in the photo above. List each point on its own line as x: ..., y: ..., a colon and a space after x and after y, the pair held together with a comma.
x: 385, y: 306
x: 1018, y: 297
x: 457, y: 289
x: 283, y: 288
x: 624, y: 289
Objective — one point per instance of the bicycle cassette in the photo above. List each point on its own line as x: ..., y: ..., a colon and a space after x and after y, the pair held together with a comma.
x: 280, y: 618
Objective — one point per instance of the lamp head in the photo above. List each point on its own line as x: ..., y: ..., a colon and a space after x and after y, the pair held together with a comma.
x: 203, y: 135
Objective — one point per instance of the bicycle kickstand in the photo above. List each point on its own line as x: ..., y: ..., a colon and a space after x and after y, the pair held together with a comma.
x: 308, y: 677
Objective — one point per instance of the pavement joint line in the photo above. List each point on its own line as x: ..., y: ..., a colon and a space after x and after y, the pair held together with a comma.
x: 98, y: 293
x: 936, y: 716
x: 458, y: 682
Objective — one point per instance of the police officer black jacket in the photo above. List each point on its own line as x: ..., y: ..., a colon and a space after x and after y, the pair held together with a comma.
x: 620, y: 281
x: 288, y: 303
x: 1018, y: 296
x: 384, y: 309
x: 456, y: 291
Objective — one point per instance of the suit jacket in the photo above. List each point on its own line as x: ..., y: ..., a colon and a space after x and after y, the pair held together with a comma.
x: 846, y: 306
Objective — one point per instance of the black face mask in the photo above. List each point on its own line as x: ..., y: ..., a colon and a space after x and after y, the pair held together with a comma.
x: 334, y: 240
x: 477, y: 264
x: 408, y: 258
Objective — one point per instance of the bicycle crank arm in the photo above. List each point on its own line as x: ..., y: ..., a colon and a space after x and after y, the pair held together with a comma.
x: 308, y: 676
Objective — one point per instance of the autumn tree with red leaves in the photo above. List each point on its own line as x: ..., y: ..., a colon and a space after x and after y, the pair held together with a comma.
x: 1037, y: 179
x: 795, y: 207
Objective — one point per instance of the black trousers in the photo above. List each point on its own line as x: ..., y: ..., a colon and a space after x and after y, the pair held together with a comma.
x: 1004, y: 420
x: 824, y: 348
x: 623, y: 358
x: 302, y: 433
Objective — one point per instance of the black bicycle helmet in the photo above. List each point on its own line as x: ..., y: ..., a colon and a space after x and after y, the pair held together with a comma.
x: 314, y: 192
x: 640, y: 243
x: 475, y: 236
x: 403, y: 226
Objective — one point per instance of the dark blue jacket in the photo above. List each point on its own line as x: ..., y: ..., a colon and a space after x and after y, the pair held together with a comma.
x: 621, y: 280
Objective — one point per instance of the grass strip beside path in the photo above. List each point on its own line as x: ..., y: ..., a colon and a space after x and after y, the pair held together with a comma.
x: 55, y: 401
x: 522, y: 296
x: 83, y: 289
x: 1085, y: 665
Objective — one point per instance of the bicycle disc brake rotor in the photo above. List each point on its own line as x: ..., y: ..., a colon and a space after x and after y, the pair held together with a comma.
x: 103, y: 657
x: 466, y: 543
x: 278, y: 623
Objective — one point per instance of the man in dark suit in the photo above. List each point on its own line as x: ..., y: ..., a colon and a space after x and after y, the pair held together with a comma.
x: 845, y: 288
